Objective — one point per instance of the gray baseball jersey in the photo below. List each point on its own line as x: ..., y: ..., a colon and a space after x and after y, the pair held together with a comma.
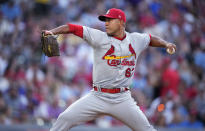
x: 114, y: 59
x: 114, y: 65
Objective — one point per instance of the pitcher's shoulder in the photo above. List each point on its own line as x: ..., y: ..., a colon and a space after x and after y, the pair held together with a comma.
x: 138, y: 35
x: 93, y: 30
x: 94, y: 36
x: 135, y: 34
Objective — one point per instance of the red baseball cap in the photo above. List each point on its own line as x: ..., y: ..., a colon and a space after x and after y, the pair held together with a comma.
x: 113, y: 13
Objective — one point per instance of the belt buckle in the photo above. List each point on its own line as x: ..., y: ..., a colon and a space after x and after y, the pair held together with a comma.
x: 98, y: 88
x: 122, y: 89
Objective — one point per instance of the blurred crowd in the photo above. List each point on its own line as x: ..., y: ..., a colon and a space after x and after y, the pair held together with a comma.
x: 34, y: 89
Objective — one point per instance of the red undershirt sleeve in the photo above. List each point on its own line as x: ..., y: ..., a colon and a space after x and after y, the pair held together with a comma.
x: 76, y: 29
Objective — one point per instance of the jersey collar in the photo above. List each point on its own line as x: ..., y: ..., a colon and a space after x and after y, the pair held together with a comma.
x: 121, y: 39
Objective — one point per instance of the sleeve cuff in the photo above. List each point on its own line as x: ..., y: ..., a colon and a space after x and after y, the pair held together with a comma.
x: 76, y: 29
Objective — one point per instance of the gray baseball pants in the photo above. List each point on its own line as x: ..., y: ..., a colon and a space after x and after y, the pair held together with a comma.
x: 95, y: 104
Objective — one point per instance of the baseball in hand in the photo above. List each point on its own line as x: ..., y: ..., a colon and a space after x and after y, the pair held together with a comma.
x: 170, y: 51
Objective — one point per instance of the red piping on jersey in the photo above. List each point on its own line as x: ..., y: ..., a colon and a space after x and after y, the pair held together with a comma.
x: 150, y: 44
x: 109, y: 52
x: 76, y: 29
x: 132, y: 50
x: 120, y: 38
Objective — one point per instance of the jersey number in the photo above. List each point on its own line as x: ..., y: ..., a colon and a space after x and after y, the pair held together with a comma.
x: 128, y: 72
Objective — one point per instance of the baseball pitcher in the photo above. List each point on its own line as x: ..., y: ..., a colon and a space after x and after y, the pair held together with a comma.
x: 115, y: 56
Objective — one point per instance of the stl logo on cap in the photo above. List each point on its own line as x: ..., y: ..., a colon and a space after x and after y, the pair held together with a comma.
x: 108, y: 12
x: 120, y: 16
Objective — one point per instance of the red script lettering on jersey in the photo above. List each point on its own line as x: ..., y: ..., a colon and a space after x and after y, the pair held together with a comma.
x: 115, y: 61
x: 125, y: 62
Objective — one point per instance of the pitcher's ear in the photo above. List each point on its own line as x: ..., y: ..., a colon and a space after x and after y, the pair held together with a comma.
x: 122, y: 23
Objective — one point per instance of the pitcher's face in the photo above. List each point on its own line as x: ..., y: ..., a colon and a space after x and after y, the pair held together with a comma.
x: 112, y: 26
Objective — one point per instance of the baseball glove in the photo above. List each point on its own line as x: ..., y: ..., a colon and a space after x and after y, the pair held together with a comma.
x: 50, y: 46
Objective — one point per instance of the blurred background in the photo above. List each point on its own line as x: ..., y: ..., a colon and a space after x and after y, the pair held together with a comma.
x: 34, y: 89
